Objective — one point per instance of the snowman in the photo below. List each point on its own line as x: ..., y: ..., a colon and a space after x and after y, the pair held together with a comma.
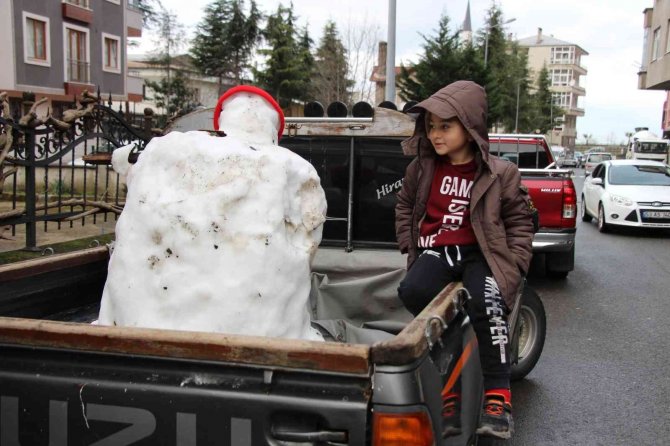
x: 218, y: 231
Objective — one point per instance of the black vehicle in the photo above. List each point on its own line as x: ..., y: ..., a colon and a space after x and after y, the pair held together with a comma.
x: 379, y: 375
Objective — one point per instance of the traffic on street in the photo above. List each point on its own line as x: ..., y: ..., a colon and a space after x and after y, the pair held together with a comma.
x: 602, y: 377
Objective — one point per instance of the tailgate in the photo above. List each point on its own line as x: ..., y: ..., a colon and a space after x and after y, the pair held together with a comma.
x: 547, y: 195
x: 56, y: 394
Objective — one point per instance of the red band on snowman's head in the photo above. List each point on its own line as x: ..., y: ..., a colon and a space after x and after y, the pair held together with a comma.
x: 253, y: 90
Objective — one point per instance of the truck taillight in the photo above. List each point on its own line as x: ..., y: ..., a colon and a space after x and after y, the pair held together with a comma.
x: 569, y: 200
x: 402, y: 429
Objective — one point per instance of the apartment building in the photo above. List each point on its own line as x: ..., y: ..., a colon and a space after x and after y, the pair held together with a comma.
x: 58, y: 48
x: 564, y: 62
x: 654, y: 71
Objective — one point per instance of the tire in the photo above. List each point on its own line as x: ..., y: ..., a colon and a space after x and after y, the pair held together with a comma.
x: 559, y: 264
x: 585, y: 215
x: 532, y: 332
x: 602, y: 223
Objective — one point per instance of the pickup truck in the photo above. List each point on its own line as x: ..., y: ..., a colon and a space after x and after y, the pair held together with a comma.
x: 553, y: 193
x: 377, y: 381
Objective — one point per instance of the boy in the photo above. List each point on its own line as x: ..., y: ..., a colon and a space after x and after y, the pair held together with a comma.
x: 463, y: 215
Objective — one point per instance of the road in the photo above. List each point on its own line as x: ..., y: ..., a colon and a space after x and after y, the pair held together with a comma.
x: 604, y: 375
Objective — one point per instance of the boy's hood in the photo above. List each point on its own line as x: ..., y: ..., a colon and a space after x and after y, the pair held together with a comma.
x: 465, y: 100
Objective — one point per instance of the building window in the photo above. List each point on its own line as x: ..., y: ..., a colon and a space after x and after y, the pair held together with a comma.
x: 562, y: 100
x: 562, y: 54
x: 656, y: 44
x: 36, y: 45
x: 561, y: 77
x: 111, y: 57
x: 645, y: 50
x: 77, y: 54
x: 667, y: 38
x: 80, y: 3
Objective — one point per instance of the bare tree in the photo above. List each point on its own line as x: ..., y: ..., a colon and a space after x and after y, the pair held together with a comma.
x: 360, y: 39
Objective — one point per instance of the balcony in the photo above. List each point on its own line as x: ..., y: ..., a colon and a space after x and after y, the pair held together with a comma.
x: 78, y: 77
x: 577, y: 66
x: 78, y: 10
x: 134, y: 19
x: 574, y: 111
x: 578, y: 90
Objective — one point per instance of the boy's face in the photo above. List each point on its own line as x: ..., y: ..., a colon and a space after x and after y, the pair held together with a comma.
x: 448, y: 136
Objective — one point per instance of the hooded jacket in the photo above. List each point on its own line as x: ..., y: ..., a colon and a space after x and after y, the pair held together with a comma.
x: 499, y: 208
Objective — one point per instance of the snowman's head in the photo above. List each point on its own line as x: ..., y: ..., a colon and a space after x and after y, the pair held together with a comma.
x: 250, y: 114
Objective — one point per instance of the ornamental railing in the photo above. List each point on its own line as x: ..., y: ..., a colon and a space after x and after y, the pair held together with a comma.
x: 56, y: 171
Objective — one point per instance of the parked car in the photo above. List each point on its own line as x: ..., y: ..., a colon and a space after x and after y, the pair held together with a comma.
x: 579, y: 156
x: 593, y: 159
x: 628, y: 193
x: 567, y: 160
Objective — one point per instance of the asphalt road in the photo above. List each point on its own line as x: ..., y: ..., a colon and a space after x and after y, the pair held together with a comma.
x: 604, y: 374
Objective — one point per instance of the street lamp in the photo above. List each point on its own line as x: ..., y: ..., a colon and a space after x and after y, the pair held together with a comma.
x: 486, y: 42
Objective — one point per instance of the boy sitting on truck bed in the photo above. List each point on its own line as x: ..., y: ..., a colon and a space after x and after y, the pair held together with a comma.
x: 463, y: 215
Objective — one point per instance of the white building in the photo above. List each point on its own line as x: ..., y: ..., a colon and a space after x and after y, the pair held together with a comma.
x: 205, y: 88
x: 564, y: 62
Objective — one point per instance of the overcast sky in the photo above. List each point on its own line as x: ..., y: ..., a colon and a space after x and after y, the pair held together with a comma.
x: 609, y: 30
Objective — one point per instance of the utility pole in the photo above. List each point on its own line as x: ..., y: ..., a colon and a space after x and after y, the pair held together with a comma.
x: 390, y: 55
x: 516, y: 119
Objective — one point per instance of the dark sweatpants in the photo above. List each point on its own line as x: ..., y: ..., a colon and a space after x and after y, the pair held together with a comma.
x: 437, y: 267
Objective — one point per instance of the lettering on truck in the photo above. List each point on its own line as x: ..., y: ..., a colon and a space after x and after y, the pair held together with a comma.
x: 139, y: 424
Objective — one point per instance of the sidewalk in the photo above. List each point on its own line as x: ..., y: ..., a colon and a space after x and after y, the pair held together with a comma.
x: 55, y: 235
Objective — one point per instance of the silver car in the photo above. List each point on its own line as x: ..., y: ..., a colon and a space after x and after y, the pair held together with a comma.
x: 595, y: 158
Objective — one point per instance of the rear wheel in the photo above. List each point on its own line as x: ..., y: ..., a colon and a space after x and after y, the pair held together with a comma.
x: 532, y: 331
x: 585, y: 215
x: 602, y: 223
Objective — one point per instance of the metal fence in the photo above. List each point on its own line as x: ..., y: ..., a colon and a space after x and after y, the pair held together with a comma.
x: 57, y: 171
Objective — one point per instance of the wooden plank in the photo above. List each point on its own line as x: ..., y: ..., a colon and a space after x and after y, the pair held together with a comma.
x: 98, y: 158
x: 410, y: 344
x: 274, y: 353
x: 34, y: 267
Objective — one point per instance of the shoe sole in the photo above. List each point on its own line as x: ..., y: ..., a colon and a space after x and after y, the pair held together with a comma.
x: 451, y: 432
x: 488, y: 432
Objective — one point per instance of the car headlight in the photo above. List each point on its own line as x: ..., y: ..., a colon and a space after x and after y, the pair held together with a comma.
x: 621, y: 201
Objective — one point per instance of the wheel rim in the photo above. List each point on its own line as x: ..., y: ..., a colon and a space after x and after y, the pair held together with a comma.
x: 601, y: 217
x: 527, y: 331
x: 583, y: 207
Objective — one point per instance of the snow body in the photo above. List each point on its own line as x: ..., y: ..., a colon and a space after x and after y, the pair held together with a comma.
x: 217, y: 233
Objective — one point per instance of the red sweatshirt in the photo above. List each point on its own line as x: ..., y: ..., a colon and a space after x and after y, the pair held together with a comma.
x: 447, y: 220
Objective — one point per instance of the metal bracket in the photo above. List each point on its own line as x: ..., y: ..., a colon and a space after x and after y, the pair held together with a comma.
x: 292, y: 129
x: 428, y: 332
x: 462, y: 296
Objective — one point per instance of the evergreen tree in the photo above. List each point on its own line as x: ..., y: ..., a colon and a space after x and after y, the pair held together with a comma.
x: 330, y: 81
x: 308, y: 65
x: 444, y: 61
x: 506, y: 74
x: 544, y: 109
x: 225, y: 39
x: 284, y: 75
